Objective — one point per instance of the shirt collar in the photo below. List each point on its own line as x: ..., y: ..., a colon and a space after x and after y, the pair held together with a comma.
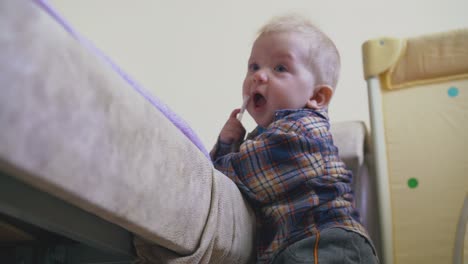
x: 279, y: 114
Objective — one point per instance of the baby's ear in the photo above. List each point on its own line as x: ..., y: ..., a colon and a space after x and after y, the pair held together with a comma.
x: 320, y: 98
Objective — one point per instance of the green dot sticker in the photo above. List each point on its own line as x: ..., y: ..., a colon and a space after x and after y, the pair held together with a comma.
x: 453, y: 91
x: 413, y: 183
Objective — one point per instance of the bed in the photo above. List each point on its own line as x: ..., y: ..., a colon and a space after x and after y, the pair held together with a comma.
x: 419, y: 122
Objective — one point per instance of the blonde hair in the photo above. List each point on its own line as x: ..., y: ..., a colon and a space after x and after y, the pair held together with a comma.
x: 323, y: 56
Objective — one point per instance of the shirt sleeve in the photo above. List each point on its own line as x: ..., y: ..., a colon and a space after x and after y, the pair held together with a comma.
x: 270, y: 166
x: 220, y: 149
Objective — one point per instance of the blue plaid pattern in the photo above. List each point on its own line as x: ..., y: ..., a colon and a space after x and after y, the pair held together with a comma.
x: 293, y: 178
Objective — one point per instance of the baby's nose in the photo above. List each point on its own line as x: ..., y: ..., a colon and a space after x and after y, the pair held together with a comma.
x: 260, y: 76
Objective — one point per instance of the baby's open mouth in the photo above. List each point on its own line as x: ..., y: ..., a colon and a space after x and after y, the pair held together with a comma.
x: 259, y: 100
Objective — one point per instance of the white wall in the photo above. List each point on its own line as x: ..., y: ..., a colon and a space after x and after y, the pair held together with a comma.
x: 193, y: 54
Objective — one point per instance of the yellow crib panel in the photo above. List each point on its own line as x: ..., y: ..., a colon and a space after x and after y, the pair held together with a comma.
x: 426, y: 131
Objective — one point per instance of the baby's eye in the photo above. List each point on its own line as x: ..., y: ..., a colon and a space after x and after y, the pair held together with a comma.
x: 281, y: 68
x: 253, y: 67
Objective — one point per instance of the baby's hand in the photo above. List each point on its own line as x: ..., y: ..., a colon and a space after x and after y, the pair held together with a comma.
x: 233, y: 131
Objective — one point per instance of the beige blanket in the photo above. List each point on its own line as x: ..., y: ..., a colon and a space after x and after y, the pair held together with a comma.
x: 72, y: 127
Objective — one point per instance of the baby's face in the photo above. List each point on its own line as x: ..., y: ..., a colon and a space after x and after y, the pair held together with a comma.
x: 278, y: 76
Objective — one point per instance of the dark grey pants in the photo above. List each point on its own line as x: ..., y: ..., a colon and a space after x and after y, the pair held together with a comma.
x: 334, y: 245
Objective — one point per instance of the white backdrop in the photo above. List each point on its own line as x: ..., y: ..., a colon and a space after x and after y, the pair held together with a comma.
x: 193, y: 54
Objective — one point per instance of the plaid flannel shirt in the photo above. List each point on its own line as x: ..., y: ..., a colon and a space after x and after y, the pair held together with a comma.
x: 293, y: 178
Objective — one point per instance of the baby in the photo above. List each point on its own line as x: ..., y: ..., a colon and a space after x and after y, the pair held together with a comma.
x: 288, y: 168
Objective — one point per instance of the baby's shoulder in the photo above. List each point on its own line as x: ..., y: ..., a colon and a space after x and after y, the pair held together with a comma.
x: 311, y: 119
